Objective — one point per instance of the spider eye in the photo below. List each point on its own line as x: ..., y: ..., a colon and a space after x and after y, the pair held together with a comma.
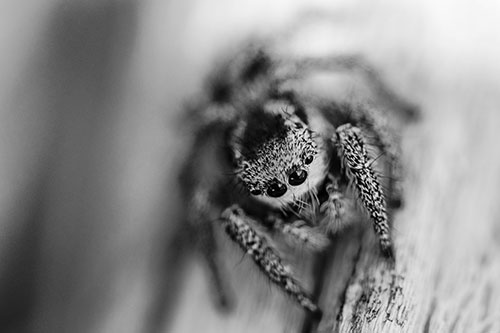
x: 255, y: 192
x: 277, y: 189
x: 297, y: 177
x: 308, y: 159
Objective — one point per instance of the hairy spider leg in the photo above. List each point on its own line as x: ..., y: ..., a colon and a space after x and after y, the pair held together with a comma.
x: 376, y: 124
x: 358, y: 168
x: 238, y: 227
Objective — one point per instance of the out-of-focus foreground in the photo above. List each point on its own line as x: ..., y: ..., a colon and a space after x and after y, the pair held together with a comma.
x: 90, y: 146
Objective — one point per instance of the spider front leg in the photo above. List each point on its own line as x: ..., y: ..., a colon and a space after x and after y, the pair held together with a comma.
x: 377, y: 124
x: 238, y: 227
x: 358, y: 168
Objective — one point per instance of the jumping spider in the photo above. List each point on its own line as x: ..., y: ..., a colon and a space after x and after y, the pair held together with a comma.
x: 269, y: 156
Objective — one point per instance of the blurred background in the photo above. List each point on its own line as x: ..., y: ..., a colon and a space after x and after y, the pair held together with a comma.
x: 91, y: 93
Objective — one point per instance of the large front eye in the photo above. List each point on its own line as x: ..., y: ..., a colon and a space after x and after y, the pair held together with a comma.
x: 297, y: 177
x: 276, y: 189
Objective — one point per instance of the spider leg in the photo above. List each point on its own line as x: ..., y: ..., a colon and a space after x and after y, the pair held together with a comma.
x: 357, y: 166
x: 238, y: 227
x: 247, y: 72
x: 200, y: 209
x: 355, y: 63
x: 211, y: 117
x: 377, y: 124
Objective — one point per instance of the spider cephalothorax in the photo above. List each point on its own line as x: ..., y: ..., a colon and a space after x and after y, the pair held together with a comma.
x: 277, y: 157
x: 303, y: 165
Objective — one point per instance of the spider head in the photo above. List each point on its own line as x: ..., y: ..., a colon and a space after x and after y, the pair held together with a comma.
x: 277, y: 156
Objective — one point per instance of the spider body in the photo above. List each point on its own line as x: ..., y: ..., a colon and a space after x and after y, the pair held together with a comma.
x: 268, y: 157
